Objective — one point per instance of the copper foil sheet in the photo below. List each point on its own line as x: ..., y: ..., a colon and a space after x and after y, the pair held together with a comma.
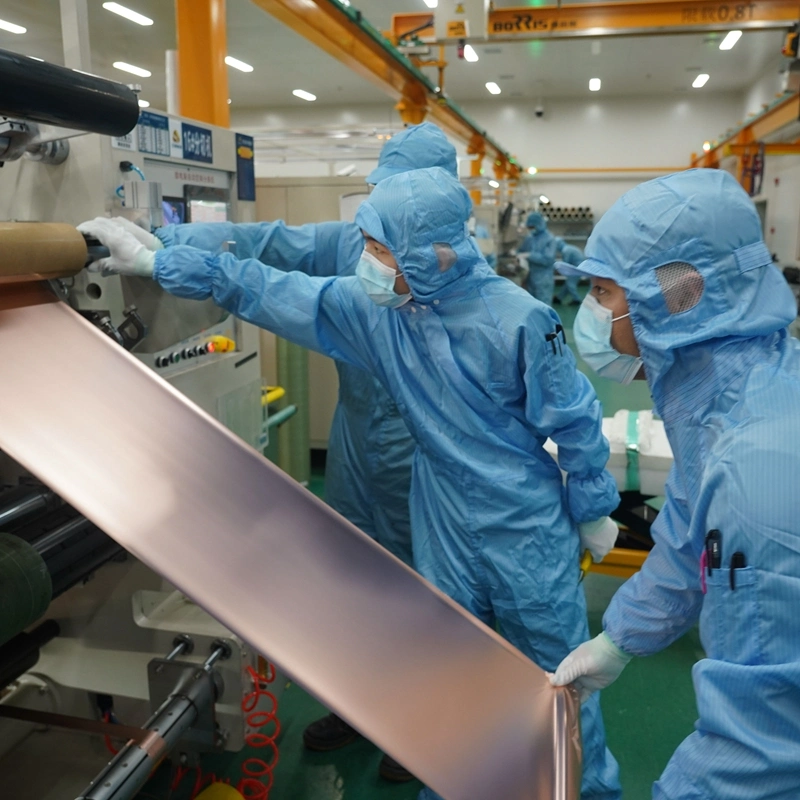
x: 442, y: 693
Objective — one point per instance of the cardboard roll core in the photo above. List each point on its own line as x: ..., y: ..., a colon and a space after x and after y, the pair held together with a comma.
x: 37, y: 251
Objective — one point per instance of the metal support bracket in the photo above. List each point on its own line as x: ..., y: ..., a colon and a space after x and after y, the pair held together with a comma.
x: 170, y: 678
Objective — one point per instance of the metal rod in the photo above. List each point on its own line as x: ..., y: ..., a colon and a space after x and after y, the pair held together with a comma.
x: 61, y: 534
x: 30, y: 504
x: 221, y: 652
x: 182, y: 644
x: 130, y: 769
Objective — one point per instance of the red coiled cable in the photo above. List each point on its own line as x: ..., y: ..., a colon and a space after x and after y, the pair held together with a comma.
x: 254, y: 770
x: 258, y: 773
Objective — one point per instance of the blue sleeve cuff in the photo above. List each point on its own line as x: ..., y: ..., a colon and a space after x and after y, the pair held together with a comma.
x: 590, y: 498
x: 166, y: 235
x: 185, y: 272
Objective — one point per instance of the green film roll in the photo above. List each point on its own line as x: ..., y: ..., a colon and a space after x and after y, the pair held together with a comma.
x: 25, y: 586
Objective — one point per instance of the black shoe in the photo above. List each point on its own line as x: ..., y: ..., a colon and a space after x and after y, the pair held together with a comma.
x: 329, y: 733
x: 394, y: 772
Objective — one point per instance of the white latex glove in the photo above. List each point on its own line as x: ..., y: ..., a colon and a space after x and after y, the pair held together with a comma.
x: 591, y: 666
x: 150, y: 241
x: 598, y: 537
x: 128, y: 255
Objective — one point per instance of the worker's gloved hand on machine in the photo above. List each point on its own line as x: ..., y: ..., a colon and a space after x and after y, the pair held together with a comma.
x: 598, y: 537
x: 132, y: 249
x: 591, y: 666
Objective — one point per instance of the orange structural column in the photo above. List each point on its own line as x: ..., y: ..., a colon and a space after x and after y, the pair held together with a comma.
x: 202, y: 72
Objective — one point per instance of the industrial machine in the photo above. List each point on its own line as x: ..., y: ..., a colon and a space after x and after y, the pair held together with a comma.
x: 145, y: 501
x: 88, y: 633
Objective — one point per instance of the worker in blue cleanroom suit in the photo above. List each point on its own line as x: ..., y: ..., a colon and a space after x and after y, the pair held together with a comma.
x: 683, y: 284
x: 482, y: 376
x: 572, y: 255
x: 539, y: 248
x: 368, y: 471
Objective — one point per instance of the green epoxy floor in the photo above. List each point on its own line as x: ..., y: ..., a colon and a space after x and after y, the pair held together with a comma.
x: 648, y: 711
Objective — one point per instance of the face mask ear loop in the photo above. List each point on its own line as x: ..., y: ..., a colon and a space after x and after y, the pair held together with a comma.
x: 617, y: 319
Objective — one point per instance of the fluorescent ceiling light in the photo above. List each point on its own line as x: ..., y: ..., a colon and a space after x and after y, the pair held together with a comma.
x: 469, y: 53
x: 133, y: 16
x: 345, y: 2
x: 494, y: 184
x: 700, y: 81
x: 706, y: 146
x: 594, y: 84
x: 543, y: 199
x: 303, y: 95
x: 142, y: 73
x: 493, y: 87
x: 431, y: 3
x: 340, y: 135
x: 236, y: 64
x: 229, y: 101
x: 730, y: 40
x: 11, y: 27
x: 143, y: 103
x: 532, y: 170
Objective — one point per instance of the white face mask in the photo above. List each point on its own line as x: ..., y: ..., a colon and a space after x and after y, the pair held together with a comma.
x: 592, y: 333
x: 378, y: 282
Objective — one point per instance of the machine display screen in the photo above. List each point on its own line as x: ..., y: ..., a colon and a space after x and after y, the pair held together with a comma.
x: 207, y: 204
x: 174, y: 210
x: 208, y: 211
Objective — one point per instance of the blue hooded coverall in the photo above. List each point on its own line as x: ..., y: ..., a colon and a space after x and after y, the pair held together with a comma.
x: 574, y: 256
x: 368, y: 471
x: 482, y: 377
x: 725, y: 377
x: 540, y: 248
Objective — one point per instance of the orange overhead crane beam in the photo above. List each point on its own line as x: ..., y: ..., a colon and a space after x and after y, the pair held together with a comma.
x: 571, y: 20
x: 344, y: 34
x: 747, y: 144
x: 766, y: 124
x: 202, y: 72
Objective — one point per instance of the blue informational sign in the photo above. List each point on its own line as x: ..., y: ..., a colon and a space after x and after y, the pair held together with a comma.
x: 152, y: 133
x: 245, y: 167
x: 197, y: 144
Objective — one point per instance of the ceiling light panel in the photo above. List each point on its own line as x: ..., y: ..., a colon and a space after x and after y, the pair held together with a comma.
x: 303, y: 95
x: 730, y: 40
x: 130, y: 14
x: 236, y: 64
x: 594, y: 84
x: 11, y: 27
x: 134, y: 70
x: 470, y: 54
x: 700, y: 81
x: 493, y: 87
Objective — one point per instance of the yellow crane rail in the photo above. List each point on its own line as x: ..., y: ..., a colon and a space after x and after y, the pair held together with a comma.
x: 570, y: 20
x: 343, y: 33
